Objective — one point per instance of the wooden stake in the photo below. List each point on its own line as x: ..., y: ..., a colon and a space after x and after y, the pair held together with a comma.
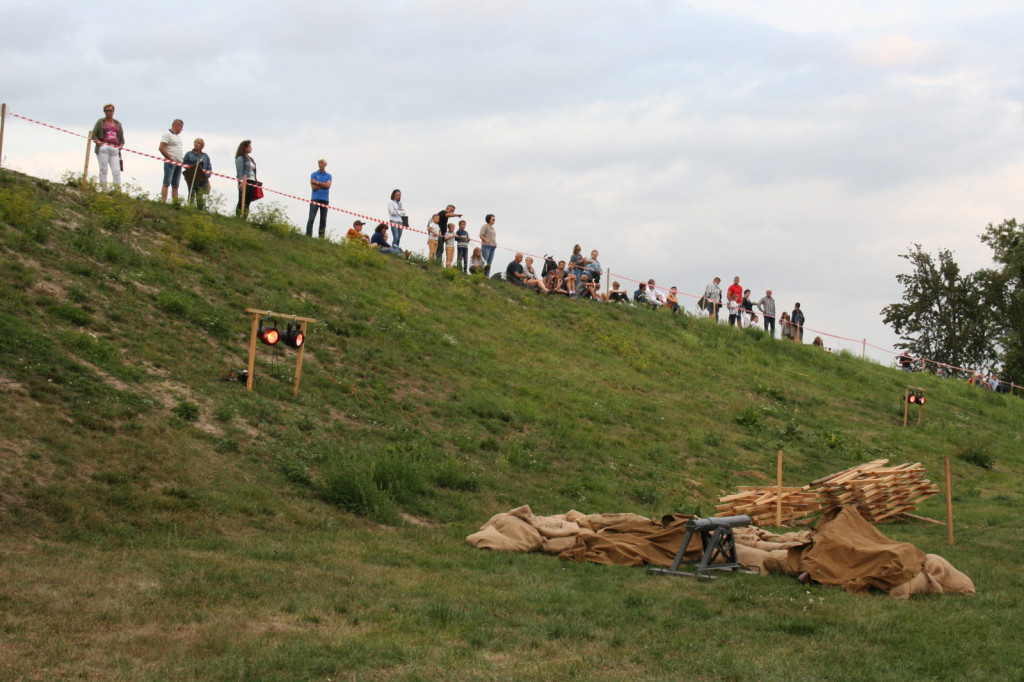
x: 252, y: 351
x: 778, y: 500
x: 949, y: 504
x: 298, y: 361
x: 906, y: 404
x: 88, y: 149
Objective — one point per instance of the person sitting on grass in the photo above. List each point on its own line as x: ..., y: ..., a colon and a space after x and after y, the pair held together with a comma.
x: 531, y: 276
x: 672, y: 300
x: 381, y: 241
x: 516, y: 274
x: 477, y: 262
x: 355, y: 233
x: 586, y: 289
x: 617, y: 295
x: 555, y: 281
x: 640, y: 295
x: 654, y: 297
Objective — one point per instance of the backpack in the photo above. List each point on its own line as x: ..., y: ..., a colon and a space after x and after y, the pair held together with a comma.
x: 549, y: 265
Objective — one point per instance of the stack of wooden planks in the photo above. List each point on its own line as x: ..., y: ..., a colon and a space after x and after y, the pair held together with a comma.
x: 760, y: 504
x: 881, y: 493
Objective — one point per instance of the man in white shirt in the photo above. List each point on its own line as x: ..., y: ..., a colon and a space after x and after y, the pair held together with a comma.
x: 173, y: 151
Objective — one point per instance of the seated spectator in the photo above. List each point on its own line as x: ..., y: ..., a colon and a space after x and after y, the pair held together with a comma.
x: 593, y: 268
x: 355, y: 233
x: 381, y: 241
x: 477, y: 262
x: 672, y: 300
x: 531, y: 276
x: 654, y: 297
x: 585, y: 289
x: 555, y: 280
x: 516, y: 273
x: 616, y: 295
x: 576, y: 263
x: 818, y: 341
x: 640, y: 295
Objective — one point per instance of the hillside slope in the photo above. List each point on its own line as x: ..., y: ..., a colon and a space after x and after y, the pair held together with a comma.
x: 424, y: 393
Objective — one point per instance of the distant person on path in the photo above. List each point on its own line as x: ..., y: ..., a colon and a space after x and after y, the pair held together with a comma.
x: 462, y: 246
x: 320, y: 183
x: 767, y: 307
x: 397, y: 215
x: 797, y: 318
x: 442, y: 227
x: 198, y: 173
x: 245, y: 171
x: 488, y: 241
x: 109, y: 137
x: 173, y: 151
x: 713, y: 297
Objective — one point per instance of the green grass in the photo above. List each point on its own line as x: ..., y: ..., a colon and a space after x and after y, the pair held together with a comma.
x: 159, y: 523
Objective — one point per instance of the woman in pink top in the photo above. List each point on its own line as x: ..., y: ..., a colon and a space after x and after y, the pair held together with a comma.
x: 109, y: 137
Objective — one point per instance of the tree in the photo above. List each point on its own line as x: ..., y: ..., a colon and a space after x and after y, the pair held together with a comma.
x: 945, y: 316
x: 1006, y: 293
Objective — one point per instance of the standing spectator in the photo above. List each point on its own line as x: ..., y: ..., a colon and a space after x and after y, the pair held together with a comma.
x: 577, y: 262
x: 320, y: 183
x: 734, y: 288
x: 245, y: 171
x: 173, y: 151
x: 433, y: 233
x: 397, y: 215
x: 748, y: 309
x: 462, y: 245
x: 449, y: 245
x: 488, y: 241
x: 713, y: 297
x: 735, y: 309
x: 442, y: 226
x: 198, y: 173
x: 109, y: 137
x: 477, y: 263
x: 767, y: 307
x: 797, y: 318
x: 786, y: 328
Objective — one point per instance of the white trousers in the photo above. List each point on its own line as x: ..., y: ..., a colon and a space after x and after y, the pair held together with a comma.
x: 110, y: 157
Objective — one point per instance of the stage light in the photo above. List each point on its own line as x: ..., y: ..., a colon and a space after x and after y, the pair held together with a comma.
x: 293, y: 336
x: 912, y: 398
x: 268, y: 334
x: 920, y: 398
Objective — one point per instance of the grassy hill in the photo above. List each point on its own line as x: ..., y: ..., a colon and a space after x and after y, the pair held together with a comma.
x: 158, y: 522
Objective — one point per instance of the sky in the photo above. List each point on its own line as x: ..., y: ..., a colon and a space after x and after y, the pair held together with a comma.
x: 802, y: 146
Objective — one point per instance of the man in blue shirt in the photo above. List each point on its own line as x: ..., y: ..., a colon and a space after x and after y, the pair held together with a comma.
x: 320, y: 181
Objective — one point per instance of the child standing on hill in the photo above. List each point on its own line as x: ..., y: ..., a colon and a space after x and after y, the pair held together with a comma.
x: 449, y: 245
x: 462, y: 244
x: 433, y: 232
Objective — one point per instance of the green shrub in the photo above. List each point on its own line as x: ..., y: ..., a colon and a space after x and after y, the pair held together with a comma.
x: 174, y: 302
x: 21, y: 210
x: 114, y: 210
x: 186, y: 411
x: 977, y: 456
x: 271, y: 217
x: 201, y: 233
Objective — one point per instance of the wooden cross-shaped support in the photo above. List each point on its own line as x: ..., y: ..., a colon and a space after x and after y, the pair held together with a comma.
x: 256, y: 315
